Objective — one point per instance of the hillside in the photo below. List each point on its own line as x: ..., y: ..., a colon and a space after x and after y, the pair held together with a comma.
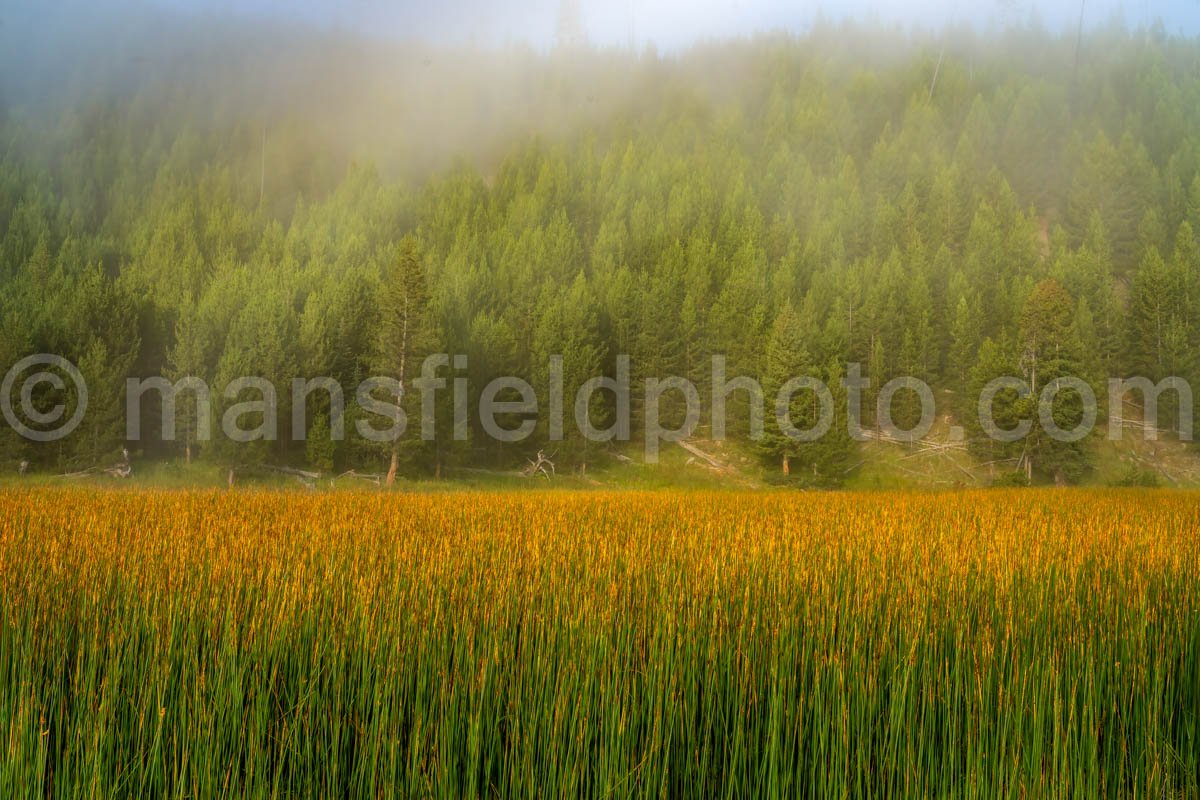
x: 947, y: 207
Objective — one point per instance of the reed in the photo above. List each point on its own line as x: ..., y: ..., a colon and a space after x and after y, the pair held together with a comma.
x: 267, y: 644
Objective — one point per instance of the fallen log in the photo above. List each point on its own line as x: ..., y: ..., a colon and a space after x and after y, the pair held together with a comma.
x: 362, y: 476
x: 703, y: 456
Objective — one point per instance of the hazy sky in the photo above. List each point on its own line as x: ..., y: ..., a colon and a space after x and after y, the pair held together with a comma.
x: 671, y: 24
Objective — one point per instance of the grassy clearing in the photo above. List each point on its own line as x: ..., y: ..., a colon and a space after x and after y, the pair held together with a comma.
x: 270, y: 644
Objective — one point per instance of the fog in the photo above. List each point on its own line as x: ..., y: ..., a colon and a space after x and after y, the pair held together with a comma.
x: 411, y: 87
x: 676, y: 24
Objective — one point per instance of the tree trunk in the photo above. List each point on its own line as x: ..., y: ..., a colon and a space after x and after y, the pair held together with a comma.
x: 787, y: 466
x: 1033, y: 394
x: 394, y: 465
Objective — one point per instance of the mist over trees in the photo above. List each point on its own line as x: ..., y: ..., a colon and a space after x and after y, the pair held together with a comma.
x: 221, y: 202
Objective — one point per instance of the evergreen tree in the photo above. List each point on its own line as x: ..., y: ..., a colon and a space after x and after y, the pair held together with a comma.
x: 1050, y: 352
x: 785, y: 358
x: 567, y: 330
x: 964, y: 346
x: 404, y: 335
x: 1007, y: 410
x: 188, y: 358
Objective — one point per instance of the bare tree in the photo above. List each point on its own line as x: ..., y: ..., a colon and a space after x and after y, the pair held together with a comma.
x: 544, y: 466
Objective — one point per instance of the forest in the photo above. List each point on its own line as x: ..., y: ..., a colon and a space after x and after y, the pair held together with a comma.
x: 276, y: 202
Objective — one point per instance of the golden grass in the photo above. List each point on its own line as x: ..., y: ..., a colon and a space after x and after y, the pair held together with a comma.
x: 1023, y: 643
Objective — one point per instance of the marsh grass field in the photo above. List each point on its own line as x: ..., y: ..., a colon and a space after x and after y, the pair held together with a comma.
x: 167, y: 643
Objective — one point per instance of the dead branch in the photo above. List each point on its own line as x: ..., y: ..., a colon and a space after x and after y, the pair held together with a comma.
x: 295, y: 473
x: 998, y: 461
x: 369, y: 477
x: 544, y: 465
x: 515, y: 473
x: 853, y: 467
x: 308, y: 479
x: 961, y: 468
x: 703, y: 456
x: 119, y: 471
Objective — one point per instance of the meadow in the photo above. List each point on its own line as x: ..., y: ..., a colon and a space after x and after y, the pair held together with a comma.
x: 253, y: 643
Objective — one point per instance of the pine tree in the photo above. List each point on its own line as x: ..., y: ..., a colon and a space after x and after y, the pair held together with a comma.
x: 102, y: 323
x: 992, y: 362
x: 785, y: 358
x: 405, y: 332
x: 258, y: 347
x: 319, y: 447
x: 567, y: 329
x: 964, y: 346
x: 1194, y: 203
x: 1050, y: 352
x: 877, y: 373
x: 15, y: 344
x: 188, y: 358
x: 1151, y: 302
x: 832, y: 455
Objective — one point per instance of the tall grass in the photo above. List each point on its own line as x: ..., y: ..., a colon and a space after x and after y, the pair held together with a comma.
x: 211, y: 644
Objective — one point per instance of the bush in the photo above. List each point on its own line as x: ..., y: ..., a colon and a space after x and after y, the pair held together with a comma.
x: 1135, y: 476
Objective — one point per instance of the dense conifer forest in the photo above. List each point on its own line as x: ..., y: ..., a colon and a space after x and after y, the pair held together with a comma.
x: 946, y: 206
